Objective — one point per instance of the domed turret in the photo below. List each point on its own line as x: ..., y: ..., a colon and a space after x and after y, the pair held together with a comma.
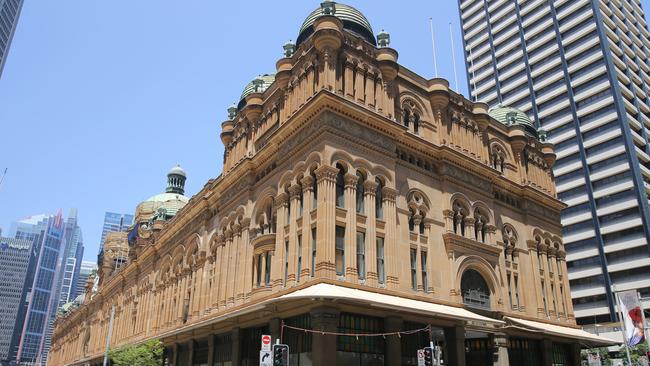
x: 258, y: 85
x: 510, y: 116
x: 353, y: 21
x: 176, y: 180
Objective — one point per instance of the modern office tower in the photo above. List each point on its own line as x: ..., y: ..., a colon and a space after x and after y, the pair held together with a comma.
x: 15, y: 257
x: 47, y: 237
x: 72, y: 256
x: 114, y: 222
x: 580, y: 70
x: 86, y: 269
x: 9, y: 13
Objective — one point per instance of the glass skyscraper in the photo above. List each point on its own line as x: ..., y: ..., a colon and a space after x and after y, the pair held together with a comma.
x: 580, y: 70
x: 33, y: 335
x: 114, y: 222
x: 15, y: 259
x: 9, y: 13
x: 72, y: 256
x: 87, y: 268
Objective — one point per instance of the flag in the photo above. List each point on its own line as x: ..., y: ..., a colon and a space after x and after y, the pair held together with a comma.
x: 632, y: 312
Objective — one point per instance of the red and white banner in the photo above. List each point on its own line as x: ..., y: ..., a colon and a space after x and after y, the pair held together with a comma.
x: 632, y: 313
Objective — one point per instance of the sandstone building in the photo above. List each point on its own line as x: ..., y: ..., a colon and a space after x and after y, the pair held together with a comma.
x: 356, y: 197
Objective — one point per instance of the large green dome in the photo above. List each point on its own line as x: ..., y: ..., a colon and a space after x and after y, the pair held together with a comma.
x: 353, y: 20
x: 512, y: 116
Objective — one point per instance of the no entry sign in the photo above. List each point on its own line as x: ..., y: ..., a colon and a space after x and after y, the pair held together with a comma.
x: 266, y: 342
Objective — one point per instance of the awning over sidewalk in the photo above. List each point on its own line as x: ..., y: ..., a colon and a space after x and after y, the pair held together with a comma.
x: 558, y: 330
x: 334, y: 292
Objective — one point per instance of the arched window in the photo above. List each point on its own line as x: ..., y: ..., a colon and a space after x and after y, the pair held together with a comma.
x: 460, y: 213
x: 498, y: 158
x: 510, y: 242
x: 314, y: 189
x: 361, y: 179
x: 301, y: 199
x: 379, y: 199
x: 416, y: 123
x: 407, y: 117
x: 340, y: 186
x: 480, y: 225
x: 411, y: 219
x: 475, y: 290
x: 286, y: 191
x: 422, y: 222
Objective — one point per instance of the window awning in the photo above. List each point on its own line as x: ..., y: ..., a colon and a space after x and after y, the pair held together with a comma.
x: 558, y: 330
x: 334, y: 292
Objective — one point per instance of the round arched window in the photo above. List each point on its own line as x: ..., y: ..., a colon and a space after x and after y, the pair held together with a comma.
x: 475, y: 290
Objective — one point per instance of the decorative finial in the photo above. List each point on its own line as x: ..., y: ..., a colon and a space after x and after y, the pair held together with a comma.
x: 541, y: 135
x: 328, y: 7
x: 258, y: 82
x: 289, y: 49
x: 232, y: 111
x: 383, y: 39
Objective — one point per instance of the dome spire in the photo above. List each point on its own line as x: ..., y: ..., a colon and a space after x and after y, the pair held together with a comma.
x: 176, y: 180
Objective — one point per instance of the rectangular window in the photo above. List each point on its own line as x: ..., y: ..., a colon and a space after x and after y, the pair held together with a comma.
x: 267, y: 270
x: 258, y: 279
x: 301, y: 203
x: 425, y: 271
x: 286, y: 261
x: 313, y: 252
x: 361, y: 255
x: 554, y: 299
x: 563, y: 302
x: 340, y: 251
x: 517, y: 292
x: 544, y: 299
x: 381, y: 274
x: 299, y: 255
x: 510, y: 291
x: 414, y: 272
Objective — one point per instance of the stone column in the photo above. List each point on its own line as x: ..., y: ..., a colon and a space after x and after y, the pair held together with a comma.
x: 225, y: 257
x: 275, y: 329
x: 547, y: 348
x: 307, y: 184
x: 350, y: 264
x: 500, y: 342
x: 211, y: 350
x: 236, y: 336
x: 277, y: 267
x: 325, y: 218
x: 390, y: 241
x: 294, y: 191
x: 393, y: 344
x: 455, y: 340
x: 233, y: 275
x: 370, y: 190
x: 469, y: 228
x: 324, y: 346
x: 245, y: 262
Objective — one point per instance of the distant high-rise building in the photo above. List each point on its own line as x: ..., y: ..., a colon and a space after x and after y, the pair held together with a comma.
x: 15, y: 255
x: 580, y: 70
x: 46, y: 233
x: 9, y: 13
x: 87, y: 268
x: 114, y: 222
x: 72, y: 256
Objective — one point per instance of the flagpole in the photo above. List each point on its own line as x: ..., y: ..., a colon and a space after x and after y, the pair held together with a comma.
x: 453, y: 56
x: 433, y: 46
x: 620, y: 314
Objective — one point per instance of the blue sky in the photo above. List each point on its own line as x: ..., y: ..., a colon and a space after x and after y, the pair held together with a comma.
x: 99, y: 99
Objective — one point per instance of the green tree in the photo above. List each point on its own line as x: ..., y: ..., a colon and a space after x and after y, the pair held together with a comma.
x: 146, y: 354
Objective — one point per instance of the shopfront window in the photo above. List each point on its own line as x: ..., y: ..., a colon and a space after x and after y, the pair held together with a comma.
x: 360, y: 351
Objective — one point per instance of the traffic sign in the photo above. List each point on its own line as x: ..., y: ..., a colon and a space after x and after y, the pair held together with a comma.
x: 266, y: 342
x: 266, y: 358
